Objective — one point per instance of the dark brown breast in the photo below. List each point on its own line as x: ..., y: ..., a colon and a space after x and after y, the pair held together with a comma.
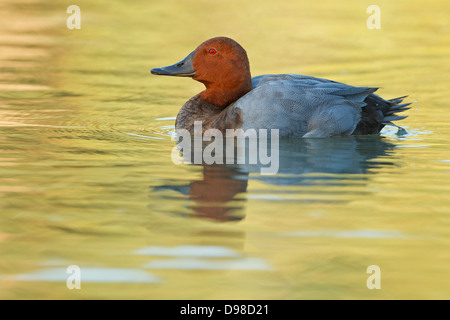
x: 197, y: 109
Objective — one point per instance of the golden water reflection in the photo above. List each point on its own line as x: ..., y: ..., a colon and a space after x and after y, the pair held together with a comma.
x: 86, y: 176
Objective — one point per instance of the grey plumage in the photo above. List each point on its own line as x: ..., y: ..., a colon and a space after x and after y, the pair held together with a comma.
x: 304, y: 106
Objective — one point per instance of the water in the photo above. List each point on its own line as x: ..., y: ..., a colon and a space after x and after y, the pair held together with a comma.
x: 86, y: 176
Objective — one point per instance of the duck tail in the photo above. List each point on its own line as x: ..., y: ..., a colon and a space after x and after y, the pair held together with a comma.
x: 379, y: 112
x: 394, y: 108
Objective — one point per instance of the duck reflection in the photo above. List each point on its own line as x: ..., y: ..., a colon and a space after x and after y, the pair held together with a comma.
x: 215, y: 196
x: 220, y: 194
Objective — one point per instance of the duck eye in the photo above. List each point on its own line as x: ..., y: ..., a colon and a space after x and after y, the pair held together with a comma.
x: 212, y: 51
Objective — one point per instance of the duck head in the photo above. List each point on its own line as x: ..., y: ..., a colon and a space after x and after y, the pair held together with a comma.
x: 221, y: 64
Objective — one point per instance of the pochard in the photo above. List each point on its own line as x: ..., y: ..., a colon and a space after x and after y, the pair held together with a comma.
x: 296, y: 105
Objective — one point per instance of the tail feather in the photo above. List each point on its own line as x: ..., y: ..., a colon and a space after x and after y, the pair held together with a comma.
x: 397, y: 100
x: 398, y: 108
x: 392, y: 118
x: 392, y: 124
x: 380, y: 112
x: 394, y: 108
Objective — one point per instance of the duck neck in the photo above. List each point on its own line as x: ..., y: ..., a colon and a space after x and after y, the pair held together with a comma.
x: 222, y: 94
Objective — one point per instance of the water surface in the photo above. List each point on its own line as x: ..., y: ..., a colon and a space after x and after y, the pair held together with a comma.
x: 86, y: 176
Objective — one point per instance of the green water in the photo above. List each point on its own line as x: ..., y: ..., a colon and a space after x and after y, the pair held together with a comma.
x: 86, y: 176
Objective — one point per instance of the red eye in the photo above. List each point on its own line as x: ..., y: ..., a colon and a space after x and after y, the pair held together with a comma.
x: 212, y: 51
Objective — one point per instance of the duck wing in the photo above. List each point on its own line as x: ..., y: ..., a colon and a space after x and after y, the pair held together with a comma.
x: 302, y: 106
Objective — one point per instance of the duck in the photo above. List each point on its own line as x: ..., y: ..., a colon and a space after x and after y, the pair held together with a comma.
x: 298, y: 106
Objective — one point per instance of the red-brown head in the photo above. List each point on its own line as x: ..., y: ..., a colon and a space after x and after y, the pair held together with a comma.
x: 221, y: 64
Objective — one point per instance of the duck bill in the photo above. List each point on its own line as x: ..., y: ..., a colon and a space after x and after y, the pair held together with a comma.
x: 184, y: 68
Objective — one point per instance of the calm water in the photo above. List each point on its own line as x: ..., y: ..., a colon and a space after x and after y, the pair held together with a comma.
x: 86, y: 176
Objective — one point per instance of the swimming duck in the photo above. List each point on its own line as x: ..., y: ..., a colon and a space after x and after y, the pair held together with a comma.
x: 296, y: 105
